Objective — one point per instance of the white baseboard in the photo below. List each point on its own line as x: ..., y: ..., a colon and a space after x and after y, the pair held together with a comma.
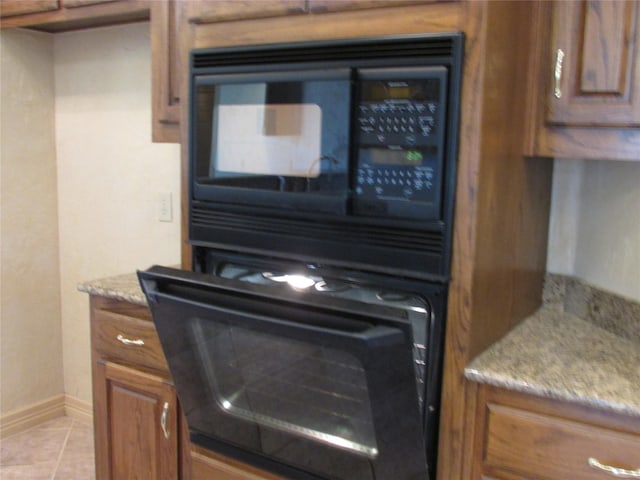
x: 58, y: 406
x: 78, y: 410
x: 27, y: 417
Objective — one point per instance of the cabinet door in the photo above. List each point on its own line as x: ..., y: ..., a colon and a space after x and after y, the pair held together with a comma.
x: 83, y: 3
x: 167, y: 69
x: 595, y: 71
x: 10, y: 8
x: 210, y: 11
x: 320, y: 6
x: 136, y: 426
x: 210, y: 466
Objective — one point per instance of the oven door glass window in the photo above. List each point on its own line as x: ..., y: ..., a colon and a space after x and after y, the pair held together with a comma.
x: 283, y: 132
x: 321, y: 391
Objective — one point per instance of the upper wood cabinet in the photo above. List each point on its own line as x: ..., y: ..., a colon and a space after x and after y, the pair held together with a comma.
x: 585, y: 80
x: 211, y: 11
x: 321, y: 6
x: 168, y: 62
x: 596, y: 64
x: 9, y: 8
x: 63, y: 15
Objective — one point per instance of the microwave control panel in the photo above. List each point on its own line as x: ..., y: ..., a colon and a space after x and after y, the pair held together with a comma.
x: 400, y: 116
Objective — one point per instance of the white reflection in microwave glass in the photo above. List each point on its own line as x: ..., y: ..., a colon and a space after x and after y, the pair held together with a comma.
x: 274, y: 139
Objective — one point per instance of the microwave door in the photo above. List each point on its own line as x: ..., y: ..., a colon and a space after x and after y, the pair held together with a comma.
x: 287, y: 386
x: 273, y: 139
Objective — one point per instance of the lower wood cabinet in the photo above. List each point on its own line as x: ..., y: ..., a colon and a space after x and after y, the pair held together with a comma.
x: 210, y: 466
x: 524, y: 437
x: 139, y: 412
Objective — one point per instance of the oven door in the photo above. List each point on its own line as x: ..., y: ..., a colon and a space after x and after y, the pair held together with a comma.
x: 303, y: 389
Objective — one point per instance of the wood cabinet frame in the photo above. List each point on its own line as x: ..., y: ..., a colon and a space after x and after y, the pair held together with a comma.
x: 502, y: 201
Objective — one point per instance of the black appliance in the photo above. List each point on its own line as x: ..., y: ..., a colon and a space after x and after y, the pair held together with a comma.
x: 308, y: 338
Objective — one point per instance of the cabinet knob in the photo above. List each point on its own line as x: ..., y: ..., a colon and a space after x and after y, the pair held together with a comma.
x: 614, y: 471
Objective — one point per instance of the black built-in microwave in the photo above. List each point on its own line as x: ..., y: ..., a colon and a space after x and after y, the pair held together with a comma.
x: 342, y: 151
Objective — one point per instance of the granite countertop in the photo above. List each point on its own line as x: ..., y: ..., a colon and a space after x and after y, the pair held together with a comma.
x: 121, y: 287
x: 581, y: 346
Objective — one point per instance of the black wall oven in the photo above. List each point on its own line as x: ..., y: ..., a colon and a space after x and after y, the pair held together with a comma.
x: 307, y: 339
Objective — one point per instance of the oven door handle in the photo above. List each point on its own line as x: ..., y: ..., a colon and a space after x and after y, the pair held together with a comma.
x: 364, y: 333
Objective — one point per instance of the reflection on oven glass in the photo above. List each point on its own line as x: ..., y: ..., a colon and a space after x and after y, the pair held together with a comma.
x: 305, y: 389
x: 414, y: 308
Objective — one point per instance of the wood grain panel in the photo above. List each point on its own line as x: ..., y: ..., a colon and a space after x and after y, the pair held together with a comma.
x: 94, y: 15
x: 206, y: 465
x: 135, y: 406
x: 552, y: 448
x: 108, y: 326
x: 10, y: 8
x: 600, y: 71
x: 608, y: 28
x: 167, y: 65
x: 323, y: 6
x: 521, y: 436
x: 208, y: 11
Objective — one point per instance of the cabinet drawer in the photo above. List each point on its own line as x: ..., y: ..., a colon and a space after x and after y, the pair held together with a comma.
x: 130, y: 340
x: 545, y: 447
x: 208, y: 465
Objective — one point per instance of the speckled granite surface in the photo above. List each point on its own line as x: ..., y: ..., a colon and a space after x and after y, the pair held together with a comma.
x: 583, y: 345
x: 120, y: 287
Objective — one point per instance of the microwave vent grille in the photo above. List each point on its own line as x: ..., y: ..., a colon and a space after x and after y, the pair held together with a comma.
x: 372, y: 49
x: 365, y: 235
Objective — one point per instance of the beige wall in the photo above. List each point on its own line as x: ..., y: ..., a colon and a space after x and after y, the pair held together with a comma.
x: 110, y: 175
x: 595, y: 224
x: 30, y: 327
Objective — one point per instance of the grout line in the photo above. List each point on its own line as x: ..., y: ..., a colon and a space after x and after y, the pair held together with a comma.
x: 64, y: 445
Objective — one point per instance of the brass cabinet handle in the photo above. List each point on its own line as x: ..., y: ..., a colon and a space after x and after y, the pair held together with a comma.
x: 557, y: 73
x: 163, y: 420
x: 126, y: 341
x: 615, y: 471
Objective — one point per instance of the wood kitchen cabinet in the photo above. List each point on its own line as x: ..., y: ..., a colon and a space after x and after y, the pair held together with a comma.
x: 64, y: 15
x: 588, y: 79
x: 169, y: 52
x: 521, y: 437
x: 138, y: 424
x: 207, y: 465
x: 139, y: 410
x: 322, y: 6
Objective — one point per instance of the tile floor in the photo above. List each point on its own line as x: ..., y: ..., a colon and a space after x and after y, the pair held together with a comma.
x: 60, y: 449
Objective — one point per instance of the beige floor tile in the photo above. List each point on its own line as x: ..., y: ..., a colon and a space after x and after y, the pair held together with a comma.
x: 37, y: 471
x: 32, y: 447
x: 60, y: 449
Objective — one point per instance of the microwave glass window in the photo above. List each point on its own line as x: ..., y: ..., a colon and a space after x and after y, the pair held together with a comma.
x: 286, y: 136
x: 282, y: 139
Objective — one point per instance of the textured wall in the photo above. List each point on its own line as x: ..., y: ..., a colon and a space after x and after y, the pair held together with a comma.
x: 109, y: 175
x: 30, y: 328
x: 595, y: 224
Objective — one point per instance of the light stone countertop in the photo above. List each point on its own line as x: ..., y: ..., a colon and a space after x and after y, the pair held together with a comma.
x: 121, y: 287
x: 558, y: 355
